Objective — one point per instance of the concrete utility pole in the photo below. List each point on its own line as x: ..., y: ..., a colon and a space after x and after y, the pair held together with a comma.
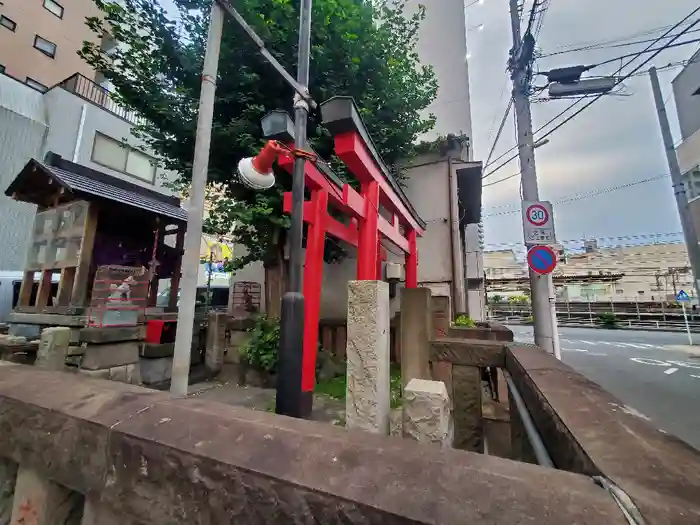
x: 195, y: 211
x: 542, y: 291
x: 689, y: 233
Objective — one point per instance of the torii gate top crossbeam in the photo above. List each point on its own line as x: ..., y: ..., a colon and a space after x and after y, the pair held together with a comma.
x: 341, y: 117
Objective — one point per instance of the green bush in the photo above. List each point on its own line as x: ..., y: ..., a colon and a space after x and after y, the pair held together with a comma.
x: 260, y: 352
x: 463, y: 320
x: 608, y: 319
x: 518, y: 299
x: 529, y: 320
x: 496, y: 299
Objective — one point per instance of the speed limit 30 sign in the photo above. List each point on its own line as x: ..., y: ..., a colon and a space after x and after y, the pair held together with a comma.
x: 538, y: 223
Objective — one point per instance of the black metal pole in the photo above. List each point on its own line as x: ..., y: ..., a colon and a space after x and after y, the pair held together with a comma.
x: 291, y: 401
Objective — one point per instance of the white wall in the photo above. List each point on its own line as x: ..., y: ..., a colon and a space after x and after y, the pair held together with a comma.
x: 64, y: 115
x: 32, y: 124
x: 23, y: 131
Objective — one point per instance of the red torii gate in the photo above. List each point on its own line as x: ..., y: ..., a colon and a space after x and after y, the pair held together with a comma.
x: 367, y: 225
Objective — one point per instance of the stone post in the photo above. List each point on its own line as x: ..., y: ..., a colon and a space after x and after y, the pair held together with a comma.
x: 426, y: 412
x: 468, y: 422
x: 53, y: 348
x: 216, y: 342
x: 416, y: 332
x: 368, y: 400
x: 40, y: 501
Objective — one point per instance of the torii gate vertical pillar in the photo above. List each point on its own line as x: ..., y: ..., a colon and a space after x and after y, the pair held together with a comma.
x: 368, y: 248
x: 411, y: 265
x: 313, y: 281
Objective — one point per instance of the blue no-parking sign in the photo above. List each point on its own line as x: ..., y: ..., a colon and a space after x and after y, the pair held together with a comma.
x: 542, y: 259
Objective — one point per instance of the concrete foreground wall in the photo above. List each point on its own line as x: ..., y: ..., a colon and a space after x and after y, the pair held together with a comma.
x: 121, y: 450
x: 583, y: 428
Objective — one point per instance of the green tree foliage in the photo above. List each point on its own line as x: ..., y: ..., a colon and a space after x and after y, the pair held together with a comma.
x: 359, y: 48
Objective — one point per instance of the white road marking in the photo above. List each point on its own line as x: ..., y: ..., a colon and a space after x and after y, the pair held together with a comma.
x: 647, y: 361
x: 670, y: 371
x: 686, y: 364
x: 588, y: 342
x: 581, y: 350
x: 696, y: 377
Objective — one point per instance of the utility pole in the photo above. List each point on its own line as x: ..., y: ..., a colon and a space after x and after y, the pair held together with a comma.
x: 689, y: 233
x: 290, y: 399
x: 195, y: 210
x: 542, y: 290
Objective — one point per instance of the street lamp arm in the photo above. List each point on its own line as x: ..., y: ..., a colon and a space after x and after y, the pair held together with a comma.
x: 302, y: 91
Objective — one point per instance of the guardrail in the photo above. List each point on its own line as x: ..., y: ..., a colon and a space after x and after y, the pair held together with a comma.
x: 669, y: 326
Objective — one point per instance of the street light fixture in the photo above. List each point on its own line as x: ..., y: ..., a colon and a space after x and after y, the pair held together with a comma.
x: 256, y: 172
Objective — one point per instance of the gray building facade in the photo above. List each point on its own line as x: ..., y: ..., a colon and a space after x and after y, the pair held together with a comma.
x: 442, y: 43
x: 76, y: 120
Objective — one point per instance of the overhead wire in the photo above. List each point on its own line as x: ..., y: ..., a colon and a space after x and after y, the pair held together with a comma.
x: 677, y: 44
x: 595, y: 43
x: 581, y: 195
x: 608, y: 46
x: 577, y: 112
x: 500, y: 129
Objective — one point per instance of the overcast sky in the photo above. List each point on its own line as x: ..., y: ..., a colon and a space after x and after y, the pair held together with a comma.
x: 614, y: 142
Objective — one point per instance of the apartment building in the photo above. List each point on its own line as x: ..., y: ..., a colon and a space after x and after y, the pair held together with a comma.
x: 686, y: 91
x: 442, y: 43
x: 39, y: 40
x: 649, y: 272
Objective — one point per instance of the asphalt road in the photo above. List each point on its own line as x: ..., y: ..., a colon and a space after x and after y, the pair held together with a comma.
x: 655, y: 373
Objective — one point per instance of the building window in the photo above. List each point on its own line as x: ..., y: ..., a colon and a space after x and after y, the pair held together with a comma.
x: 121, y: 157
x: 54, y: 7
x: 46, y: 47
x: 36, y: 85
x: 7, y: 23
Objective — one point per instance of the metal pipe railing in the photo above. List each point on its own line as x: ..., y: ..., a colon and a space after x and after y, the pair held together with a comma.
x: 541, y: 454
x: 621, y: 498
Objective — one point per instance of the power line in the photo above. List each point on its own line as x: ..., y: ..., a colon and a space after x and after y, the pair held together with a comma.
x: 499, y: 180
x: 669, y: 46
x: 579, y: 240
x: 595, y: 43
x: 500, y: 129
x: 581, y: 195
x: 576, y: 113
x: 609, y: 46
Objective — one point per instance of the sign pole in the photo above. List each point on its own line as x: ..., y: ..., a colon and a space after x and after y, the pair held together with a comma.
x: 542, y: 260
x: 687, y: 325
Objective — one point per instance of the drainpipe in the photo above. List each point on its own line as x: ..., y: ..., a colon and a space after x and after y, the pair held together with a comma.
x: 79, y: 137
x: 458, y: 284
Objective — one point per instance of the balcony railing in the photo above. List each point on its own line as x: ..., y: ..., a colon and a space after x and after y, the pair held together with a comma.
x: 92, y: 92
